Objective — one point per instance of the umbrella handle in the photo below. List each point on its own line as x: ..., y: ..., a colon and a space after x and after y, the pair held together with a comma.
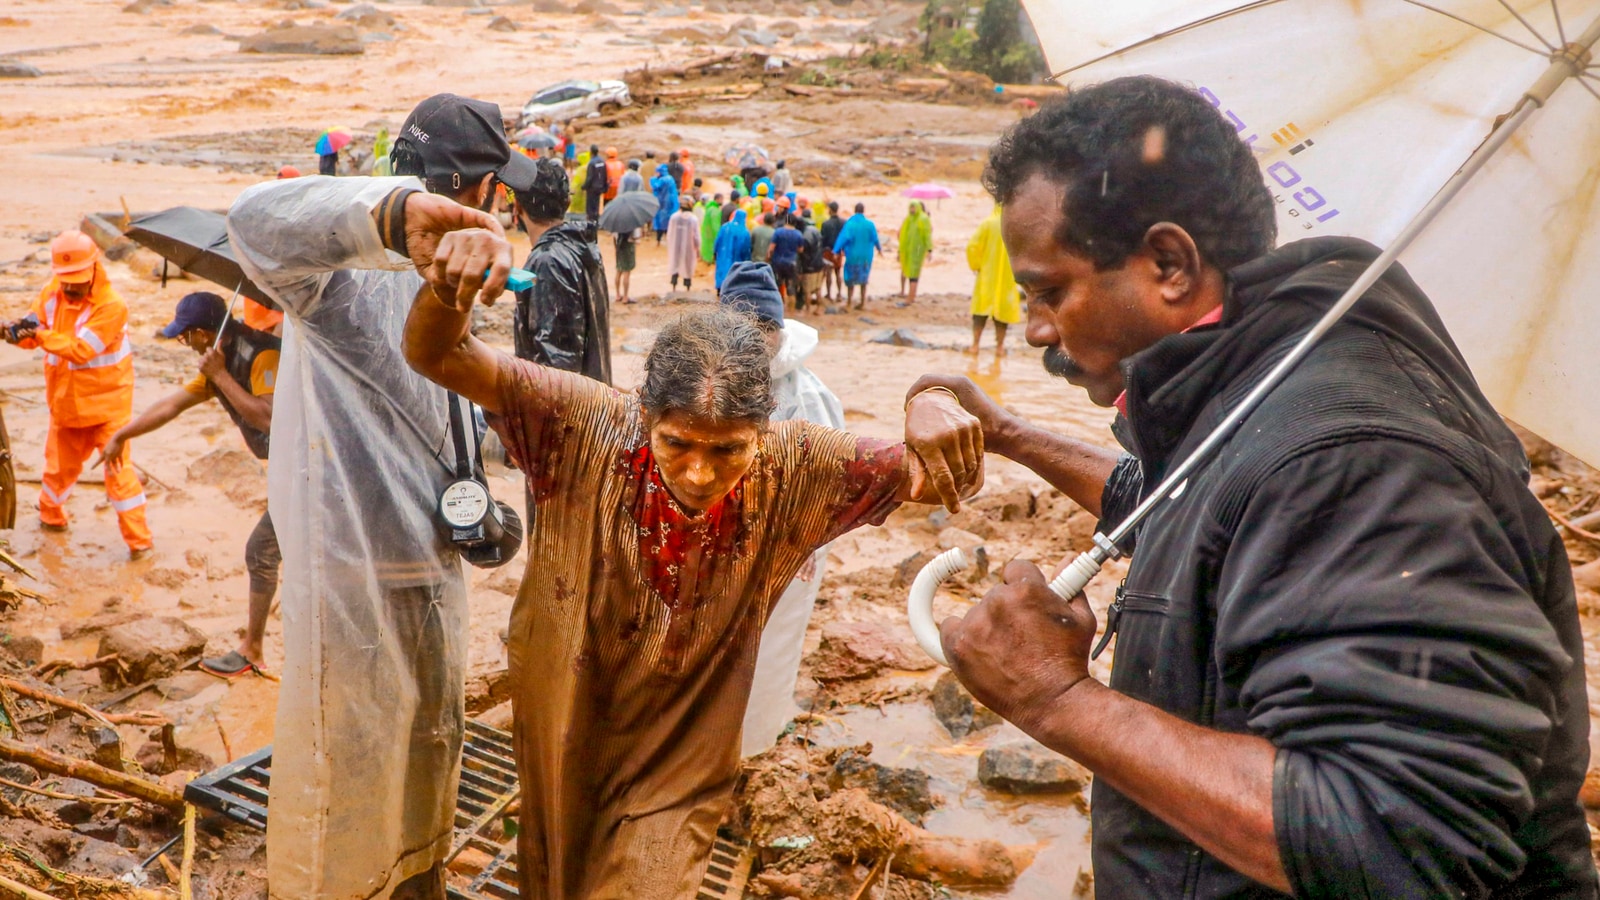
x: 919, y: 605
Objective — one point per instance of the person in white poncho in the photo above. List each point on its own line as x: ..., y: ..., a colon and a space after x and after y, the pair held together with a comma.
x: 370, y: 714
x: 798, y: 394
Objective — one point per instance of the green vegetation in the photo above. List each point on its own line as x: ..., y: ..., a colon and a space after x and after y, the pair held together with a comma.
x: 999, y: 41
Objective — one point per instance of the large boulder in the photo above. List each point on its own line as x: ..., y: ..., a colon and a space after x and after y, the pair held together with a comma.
x: 1028, y: 767
x: 319, y: 40
x: 149, y: 648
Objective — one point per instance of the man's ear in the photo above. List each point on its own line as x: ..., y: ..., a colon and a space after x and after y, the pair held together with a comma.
x: 484, y: 191
x: 1177, y: 260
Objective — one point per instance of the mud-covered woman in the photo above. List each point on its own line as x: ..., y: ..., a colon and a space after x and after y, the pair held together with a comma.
x: 664, y: 526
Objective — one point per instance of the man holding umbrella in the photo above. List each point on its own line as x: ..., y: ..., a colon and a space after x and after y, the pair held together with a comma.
x: 81, y: 323
x: 239, y: 369
x: 370, y: 720
x: 1348, y: 658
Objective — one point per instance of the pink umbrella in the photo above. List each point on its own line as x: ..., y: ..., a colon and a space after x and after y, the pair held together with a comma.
x: 927, y: 191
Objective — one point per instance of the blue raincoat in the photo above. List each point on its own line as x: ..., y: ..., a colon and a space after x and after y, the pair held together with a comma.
x: 733, y: 245
x: 856, y: 243
x: 666, y: 191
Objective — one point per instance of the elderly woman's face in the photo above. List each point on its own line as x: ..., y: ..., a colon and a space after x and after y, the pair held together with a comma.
x: 701, y: 460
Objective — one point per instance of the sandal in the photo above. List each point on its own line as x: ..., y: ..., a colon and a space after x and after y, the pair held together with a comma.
x: 230, y: 665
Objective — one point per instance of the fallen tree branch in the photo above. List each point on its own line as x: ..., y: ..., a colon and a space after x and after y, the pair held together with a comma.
x: 1571, y: 526
x: 47, y: 670
x: 83, y: 770
x: 144, y: 719
x: 57, y: 795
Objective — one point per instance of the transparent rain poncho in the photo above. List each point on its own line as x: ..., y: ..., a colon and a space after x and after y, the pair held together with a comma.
x: 799, y: 394
x: 370, y: 715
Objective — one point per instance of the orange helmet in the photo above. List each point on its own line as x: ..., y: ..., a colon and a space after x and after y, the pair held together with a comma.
x: 611, y: 153
x: 288, y: 172
x: 684, y: 153
x: 72, y: 256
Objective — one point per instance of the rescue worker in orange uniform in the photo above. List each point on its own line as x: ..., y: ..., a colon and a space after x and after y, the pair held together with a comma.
x: 82, y: 326
x: 614, y: 170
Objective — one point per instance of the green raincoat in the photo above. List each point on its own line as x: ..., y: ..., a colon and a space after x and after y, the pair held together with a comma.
x: 916, y: 239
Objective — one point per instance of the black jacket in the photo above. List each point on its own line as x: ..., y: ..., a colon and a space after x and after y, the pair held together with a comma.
x: 241, y: 347
x: 563, y: 321
x: 1361, y: 577
x: 596, y: 180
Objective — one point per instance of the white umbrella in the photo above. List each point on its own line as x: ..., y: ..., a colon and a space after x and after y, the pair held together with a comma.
x: 1368, y: 119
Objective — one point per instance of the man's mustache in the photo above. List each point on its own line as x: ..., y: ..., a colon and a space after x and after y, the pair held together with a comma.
x: 1059, y: 364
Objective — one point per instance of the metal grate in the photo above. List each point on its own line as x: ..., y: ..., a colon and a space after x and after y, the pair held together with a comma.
x: 238, y: 790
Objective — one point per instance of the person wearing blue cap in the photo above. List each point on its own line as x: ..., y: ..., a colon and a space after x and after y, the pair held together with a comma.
x: 797, y: 393
x: 239, y: 371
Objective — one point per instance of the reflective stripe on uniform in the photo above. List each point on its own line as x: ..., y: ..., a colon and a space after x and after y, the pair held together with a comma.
x: 50, y: 359
x: 130, y: 503
x: 55, y: 498
x: 88, y: 336
x: 105, y: 359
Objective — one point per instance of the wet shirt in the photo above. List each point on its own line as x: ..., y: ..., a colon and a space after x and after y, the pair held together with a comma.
x: 634, y: 634
x: 252, y: 361
x: 786, y: 243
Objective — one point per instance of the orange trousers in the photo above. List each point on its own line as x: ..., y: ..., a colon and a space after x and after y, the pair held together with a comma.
x: 65, y: 452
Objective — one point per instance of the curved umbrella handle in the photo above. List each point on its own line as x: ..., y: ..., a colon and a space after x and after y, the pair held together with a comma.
x: 919, y: 605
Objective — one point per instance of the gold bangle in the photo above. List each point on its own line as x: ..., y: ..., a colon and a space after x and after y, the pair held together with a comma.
x: 939, y: 388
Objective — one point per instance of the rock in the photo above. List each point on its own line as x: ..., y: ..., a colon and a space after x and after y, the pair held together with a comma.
x: 318, y: 40
x: 374, y: 37
x: 957, y: 711
x: 497, y: 717
x: 126, y: 838
x: 851, y: 650
x: 149, y: 648
x: 903, y: 790
x: 901, y: 337
x: 106, y: 747
x: 784, y: 28
x: 225, y: 467
x: 501, y: 23
x: 152, y: 758
x: 668, y: 12
x: 597, y: 8
x: 488, y: 690
x: 110, y: 614
x: 761, y: 37
x: 24, y: 648
x: 1028, y: 767
x: 140, y: 7
x: 21, y: 774
x: 366, y: 17
x: 101, y: 859
x: 694, y: 34
x: 97, y: 829
x: 171, y: 579
x: 10, y: 68
x: 201, y: 29
x: 458, y: 3
x: 906, y: 571
x: 971, y: 519
x: 550, y: 7
x: 953, y: 537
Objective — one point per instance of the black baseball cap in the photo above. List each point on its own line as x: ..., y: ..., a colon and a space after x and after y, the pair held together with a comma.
x: 460, y: 140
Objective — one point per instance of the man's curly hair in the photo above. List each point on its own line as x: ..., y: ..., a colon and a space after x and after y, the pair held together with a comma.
x: 1133, y: 152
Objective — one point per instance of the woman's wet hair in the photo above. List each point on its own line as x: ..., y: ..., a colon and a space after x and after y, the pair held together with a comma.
x: 1133, y: 152
x: 711, y: 364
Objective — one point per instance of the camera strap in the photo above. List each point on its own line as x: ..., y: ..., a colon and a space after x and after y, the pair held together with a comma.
x: 468, y: 460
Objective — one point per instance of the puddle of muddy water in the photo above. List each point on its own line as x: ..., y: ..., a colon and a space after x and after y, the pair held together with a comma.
x: 908, y: 735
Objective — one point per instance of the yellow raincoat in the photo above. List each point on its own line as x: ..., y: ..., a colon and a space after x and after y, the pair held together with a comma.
x: 995, y: 294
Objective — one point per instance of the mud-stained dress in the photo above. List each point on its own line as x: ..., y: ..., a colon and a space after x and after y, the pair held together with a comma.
x: 634, y: 634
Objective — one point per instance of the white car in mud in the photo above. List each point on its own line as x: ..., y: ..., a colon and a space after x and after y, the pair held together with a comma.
x: 575, y: 100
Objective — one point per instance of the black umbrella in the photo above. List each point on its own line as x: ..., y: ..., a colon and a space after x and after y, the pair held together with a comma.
x: 196, y: 241
x: 536, y: 140
x: 635, y: 209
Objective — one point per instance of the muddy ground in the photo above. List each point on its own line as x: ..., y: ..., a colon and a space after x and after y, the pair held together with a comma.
x: 150, y: 104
